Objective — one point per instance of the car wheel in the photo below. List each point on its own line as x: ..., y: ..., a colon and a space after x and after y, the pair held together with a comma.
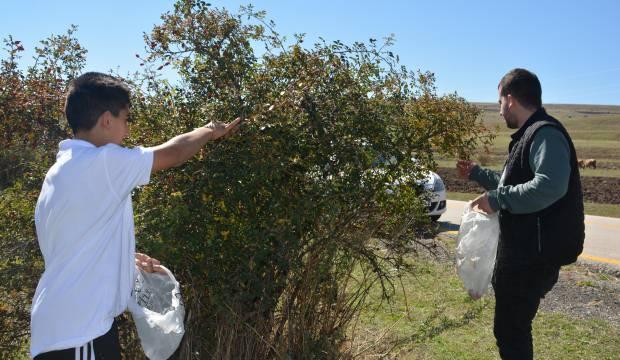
x: 434, y: 218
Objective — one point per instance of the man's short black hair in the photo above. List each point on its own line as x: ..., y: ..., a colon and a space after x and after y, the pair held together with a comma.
x: 91, y: 95
x: 524, y: 86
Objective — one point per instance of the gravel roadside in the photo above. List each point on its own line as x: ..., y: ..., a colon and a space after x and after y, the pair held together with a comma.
x: 584, y: 290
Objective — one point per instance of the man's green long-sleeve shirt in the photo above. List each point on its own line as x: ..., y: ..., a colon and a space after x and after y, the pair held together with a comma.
x: 550, y: 162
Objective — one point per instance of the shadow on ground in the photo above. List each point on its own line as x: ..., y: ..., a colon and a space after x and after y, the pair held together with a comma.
x: 447, y: 226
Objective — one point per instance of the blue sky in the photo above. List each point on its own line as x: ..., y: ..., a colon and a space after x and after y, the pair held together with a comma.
x: 573, y: 46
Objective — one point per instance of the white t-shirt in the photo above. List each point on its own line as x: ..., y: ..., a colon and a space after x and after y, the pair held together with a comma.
x: 84, y: 222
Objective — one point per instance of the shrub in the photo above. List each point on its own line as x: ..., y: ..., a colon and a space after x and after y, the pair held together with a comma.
x: 276, y: 233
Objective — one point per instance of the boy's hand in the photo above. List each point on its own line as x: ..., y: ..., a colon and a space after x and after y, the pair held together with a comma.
x: 148, y: 264
x: 221, y: 130
x: 463, y: 168
x: 181, y: 148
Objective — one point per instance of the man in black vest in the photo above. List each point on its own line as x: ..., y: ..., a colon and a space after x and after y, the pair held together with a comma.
x: 540, y: 205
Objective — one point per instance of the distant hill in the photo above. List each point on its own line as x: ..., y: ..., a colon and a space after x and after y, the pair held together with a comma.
x: 577, y: 108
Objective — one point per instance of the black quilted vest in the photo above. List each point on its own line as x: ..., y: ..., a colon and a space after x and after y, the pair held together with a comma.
x: 555, y: 234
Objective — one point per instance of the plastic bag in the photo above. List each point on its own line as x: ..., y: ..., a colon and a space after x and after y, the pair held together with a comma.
x: 158, y: 311
x: 476, y: 250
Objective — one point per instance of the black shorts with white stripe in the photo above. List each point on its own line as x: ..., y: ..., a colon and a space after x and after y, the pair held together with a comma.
x: 105, y: 347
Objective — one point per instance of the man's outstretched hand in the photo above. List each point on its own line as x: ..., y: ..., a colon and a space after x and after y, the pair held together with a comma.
x: 463, y: 168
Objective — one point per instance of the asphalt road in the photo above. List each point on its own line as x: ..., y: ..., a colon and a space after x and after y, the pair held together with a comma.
x: 602, y: 244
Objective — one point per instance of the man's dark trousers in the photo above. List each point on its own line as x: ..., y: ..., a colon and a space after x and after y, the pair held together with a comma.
x: 518, y: 290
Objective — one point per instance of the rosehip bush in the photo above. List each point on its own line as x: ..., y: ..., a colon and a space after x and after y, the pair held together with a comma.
x: 278, y: 232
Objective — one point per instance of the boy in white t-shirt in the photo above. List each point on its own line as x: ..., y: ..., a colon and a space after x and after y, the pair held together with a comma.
x: 84, y: 221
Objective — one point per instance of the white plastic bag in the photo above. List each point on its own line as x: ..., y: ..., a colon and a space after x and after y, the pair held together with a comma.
x: 476, y: 250
x: 158, y: 311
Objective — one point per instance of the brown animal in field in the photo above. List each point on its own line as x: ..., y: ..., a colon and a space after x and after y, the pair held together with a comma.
x: 581, y: 163
x: 587, y: 163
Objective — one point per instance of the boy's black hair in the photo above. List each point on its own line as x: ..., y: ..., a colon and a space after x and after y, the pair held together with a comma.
x: 524, y: 86
x: 91, y: 95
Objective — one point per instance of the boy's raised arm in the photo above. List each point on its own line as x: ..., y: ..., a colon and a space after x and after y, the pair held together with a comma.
x: 181, y: 148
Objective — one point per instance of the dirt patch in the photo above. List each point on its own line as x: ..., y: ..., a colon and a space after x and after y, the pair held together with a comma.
x: 602, y: 190
x: 455, y: 184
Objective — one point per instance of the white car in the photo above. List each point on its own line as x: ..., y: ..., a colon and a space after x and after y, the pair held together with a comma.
x: 435, y: 187
x: 437, y: 195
